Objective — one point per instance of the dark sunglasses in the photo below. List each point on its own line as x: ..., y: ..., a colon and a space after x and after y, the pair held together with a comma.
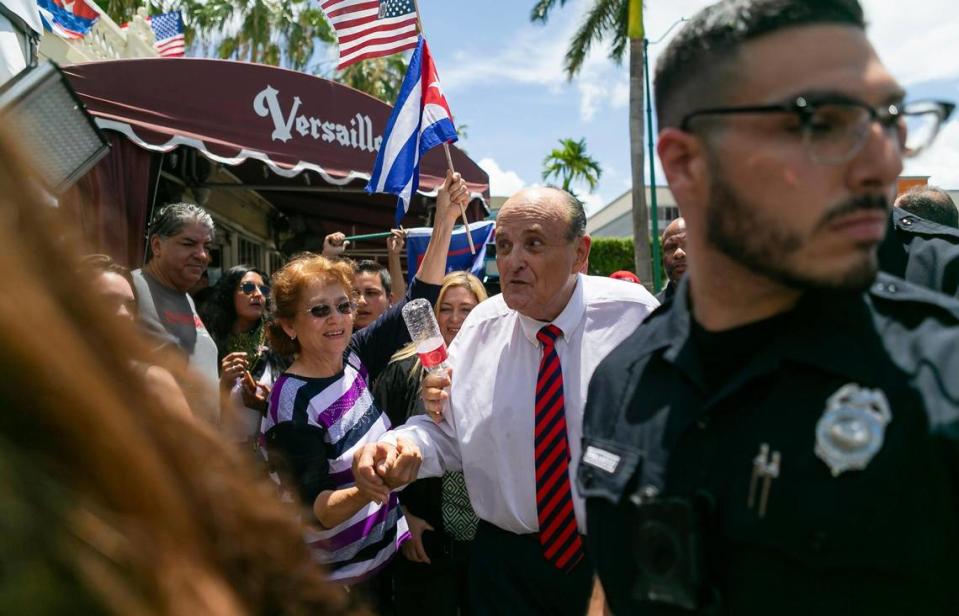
x: 249, y: 287
x: 321, y: 311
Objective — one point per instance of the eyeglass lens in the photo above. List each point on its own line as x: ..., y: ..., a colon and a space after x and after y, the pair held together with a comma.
x: 321, y: 311
x: 923, y: 120
x: 836, y: 131
x: 248, y: 287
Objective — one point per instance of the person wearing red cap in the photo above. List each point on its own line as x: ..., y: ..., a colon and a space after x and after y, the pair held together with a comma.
x: 626, y: 275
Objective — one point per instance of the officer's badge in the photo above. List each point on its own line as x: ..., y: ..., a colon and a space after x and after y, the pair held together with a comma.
x: 851, y: 430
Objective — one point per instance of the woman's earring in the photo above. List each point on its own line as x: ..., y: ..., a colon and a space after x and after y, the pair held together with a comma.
x: 293, y: 336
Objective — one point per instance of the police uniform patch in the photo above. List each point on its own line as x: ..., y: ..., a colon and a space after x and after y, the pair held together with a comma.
x: 601, y: 459
x: 851, y: 430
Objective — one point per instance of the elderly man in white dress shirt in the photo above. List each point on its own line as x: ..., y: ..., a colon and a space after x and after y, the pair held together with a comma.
x: 512, y: 419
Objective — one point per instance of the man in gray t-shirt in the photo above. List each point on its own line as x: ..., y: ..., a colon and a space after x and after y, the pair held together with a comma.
x: 179, y: 240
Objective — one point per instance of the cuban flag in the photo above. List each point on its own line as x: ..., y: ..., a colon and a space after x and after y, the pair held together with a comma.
x: 69, y: 19
x: 421, y: 120
x: 459, y: 257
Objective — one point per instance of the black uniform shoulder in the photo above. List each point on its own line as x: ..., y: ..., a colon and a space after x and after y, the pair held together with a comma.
x: 911, y: 224
x: 896, y: 298
x: 920, y: 331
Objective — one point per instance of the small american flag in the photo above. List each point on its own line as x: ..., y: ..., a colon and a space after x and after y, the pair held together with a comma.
x: 168, y: 30
x: 371, y: 28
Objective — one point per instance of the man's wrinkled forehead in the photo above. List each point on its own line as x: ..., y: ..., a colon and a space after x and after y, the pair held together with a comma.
x: 822, y: 58
x: 195, y: 231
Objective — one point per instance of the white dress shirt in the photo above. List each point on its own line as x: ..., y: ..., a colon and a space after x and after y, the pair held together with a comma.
x: 487, y: 430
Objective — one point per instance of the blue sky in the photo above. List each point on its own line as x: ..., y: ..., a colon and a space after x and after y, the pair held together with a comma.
x: 503, y: 78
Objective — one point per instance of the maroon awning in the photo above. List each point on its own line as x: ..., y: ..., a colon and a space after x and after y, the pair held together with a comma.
x: 234, y: 112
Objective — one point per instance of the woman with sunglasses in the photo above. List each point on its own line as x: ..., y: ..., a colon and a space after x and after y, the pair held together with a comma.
x: 234, y: 314
x: 321, y: 409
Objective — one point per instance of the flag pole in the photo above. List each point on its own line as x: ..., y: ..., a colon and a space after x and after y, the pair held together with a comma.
x: 446, y: 146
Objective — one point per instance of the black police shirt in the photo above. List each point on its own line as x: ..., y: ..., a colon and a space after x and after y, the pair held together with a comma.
x: 921, y: 251
x: 686, y: 511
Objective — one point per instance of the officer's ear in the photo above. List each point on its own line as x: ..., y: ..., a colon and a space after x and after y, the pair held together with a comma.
x: 683, y: 156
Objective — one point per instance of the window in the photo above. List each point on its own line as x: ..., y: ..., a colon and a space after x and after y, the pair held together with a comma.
x: 249, y: 252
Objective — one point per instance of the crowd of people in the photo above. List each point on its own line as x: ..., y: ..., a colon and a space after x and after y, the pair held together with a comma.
x: 775, y: 431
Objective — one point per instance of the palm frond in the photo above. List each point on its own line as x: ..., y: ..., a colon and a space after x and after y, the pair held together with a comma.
x: 600, y: 20
x: 542, y: 8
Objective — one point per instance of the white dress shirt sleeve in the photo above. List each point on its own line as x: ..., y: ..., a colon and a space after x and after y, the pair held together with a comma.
x: 437, y: 443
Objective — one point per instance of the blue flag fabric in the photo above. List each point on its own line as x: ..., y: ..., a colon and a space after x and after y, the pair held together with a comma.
x: 459, y: 255
x: 421, y: 120
x: 69, y: 20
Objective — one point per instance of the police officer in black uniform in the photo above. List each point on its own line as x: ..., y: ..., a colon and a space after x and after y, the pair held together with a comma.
x: 921, y: 251
x: 782, y: 437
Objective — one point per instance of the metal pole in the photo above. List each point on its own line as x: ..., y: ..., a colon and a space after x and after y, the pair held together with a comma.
x: 446, y: 146
x: 653, y: 208
x: 368, y: 236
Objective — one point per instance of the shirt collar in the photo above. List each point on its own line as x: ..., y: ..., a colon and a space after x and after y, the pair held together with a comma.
x: 568, y: 320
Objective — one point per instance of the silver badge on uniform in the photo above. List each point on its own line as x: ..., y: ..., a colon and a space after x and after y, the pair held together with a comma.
x: 851, y: 431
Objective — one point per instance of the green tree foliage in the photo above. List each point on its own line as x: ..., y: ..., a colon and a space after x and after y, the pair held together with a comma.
x: 570, y: 163
x: 379, y: 77
x: 120, y: 11
x: 610, y: 254
x: 276, y: 32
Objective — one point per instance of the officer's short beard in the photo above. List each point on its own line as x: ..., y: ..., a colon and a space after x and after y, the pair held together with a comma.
x: 764, y: 246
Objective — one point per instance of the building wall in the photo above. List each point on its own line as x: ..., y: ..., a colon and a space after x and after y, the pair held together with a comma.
x: 616, y: 218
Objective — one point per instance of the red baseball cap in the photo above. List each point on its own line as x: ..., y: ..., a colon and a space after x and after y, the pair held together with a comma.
x: 625, y: 275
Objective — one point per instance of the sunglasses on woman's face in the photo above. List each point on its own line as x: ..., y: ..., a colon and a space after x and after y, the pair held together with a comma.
x: 249, y: 287
x: 321, y: 311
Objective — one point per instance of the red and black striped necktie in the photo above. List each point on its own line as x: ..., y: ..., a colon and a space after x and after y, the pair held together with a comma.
x: 558, y: 533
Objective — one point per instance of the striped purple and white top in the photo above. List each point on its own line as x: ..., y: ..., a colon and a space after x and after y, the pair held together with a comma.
x: 316, y: 424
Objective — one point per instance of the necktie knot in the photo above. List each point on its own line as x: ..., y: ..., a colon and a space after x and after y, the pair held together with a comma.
x: 548, y: 334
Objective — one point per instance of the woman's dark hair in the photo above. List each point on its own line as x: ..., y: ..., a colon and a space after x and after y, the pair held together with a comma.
x: 218, y: 310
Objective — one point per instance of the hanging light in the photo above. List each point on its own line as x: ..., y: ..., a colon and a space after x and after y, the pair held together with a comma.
x: 43, y: 114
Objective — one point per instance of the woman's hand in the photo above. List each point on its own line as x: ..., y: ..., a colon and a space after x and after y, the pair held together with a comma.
x: 413, y: 549
x: 255, y: 396
x: 452, y: 195
x: 232, y: 367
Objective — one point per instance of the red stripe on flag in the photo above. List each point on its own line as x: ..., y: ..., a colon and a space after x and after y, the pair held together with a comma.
x: 377, y: 54
x: 364, y: 6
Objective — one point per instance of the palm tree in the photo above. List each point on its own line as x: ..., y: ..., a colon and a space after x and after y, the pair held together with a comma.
x: 571, y: 163
x: 622, y: 22
x: 120, y: 11
x: 267, y: 31
x: 380, y: 77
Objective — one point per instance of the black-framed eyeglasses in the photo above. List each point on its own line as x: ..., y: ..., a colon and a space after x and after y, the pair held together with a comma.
x: 247, y: 288
x: 321, y: 311
x: 834, y: 128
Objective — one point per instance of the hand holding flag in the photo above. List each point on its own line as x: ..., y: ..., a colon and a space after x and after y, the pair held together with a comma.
x: 453, y: 195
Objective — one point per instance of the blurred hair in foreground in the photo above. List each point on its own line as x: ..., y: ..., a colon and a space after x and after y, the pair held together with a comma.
x: 108, y: 502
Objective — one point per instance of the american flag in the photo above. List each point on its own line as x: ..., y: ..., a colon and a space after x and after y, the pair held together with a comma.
x: 371, y: 28
x: 168, y: 30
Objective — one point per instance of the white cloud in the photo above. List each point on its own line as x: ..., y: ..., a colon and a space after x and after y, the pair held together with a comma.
x: 941, y: 162
x: 502, y: 183
x: 535, y: 56
x: 917, y: 43
x: 592, y: 202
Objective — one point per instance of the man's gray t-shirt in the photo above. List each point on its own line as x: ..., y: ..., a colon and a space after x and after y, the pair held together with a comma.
x: 172, y: 314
